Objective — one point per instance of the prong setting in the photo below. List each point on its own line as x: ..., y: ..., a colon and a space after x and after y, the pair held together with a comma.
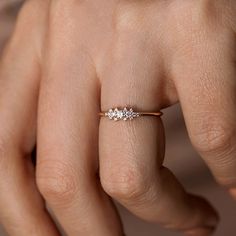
x: 125, y: 114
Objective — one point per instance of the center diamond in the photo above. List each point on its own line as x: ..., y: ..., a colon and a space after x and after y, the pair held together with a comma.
x: 120, y: 114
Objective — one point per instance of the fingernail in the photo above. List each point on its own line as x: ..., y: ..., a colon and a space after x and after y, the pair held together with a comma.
x: 203, y: 231
x: 233, y: 192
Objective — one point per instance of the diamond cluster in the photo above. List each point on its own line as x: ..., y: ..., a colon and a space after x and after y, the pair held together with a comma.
x: 123, y: 114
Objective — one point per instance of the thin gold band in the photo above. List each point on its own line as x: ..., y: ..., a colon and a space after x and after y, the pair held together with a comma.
x: 140, y: 113
x: 126, y: 114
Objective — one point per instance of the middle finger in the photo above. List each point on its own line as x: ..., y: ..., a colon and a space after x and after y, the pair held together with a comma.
x: 67, y: 148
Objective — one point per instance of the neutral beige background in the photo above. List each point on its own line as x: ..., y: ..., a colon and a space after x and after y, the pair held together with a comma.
x: 180, y: 157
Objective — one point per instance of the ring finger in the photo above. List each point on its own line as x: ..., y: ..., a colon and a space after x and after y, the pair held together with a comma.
x: 67, y: 148
x: 132, y: 152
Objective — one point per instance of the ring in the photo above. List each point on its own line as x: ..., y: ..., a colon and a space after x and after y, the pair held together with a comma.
x: 126, y: 114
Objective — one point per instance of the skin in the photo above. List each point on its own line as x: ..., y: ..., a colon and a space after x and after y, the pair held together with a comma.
x: 66, y: 61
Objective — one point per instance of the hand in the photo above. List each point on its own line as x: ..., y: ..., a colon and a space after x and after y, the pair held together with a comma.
x: 66, y: 61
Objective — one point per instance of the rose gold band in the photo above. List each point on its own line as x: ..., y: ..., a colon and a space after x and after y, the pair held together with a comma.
x: 140, y: 113
x: 159, y: 113
x: 126, y: 114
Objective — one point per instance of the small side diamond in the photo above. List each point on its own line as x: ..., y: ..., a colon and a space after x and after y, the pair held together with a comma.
x: 110, y: 114
x: 135, y: 114
x: 129, y: 113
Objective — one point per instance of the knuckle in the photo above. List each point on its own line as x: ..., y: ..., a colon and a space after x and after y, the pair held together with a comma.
x: 205, y: 15
x: 60, y: 8
x: 29, y: 7
x: 214, y: 136
x: 57, y: 181
x: 127, y: 18
x: 125, y: 183
x: 189, y: 7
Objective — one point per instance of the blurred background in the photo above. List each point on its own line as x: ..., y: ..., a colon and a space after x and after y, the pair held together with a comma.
x: 180, y: 157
